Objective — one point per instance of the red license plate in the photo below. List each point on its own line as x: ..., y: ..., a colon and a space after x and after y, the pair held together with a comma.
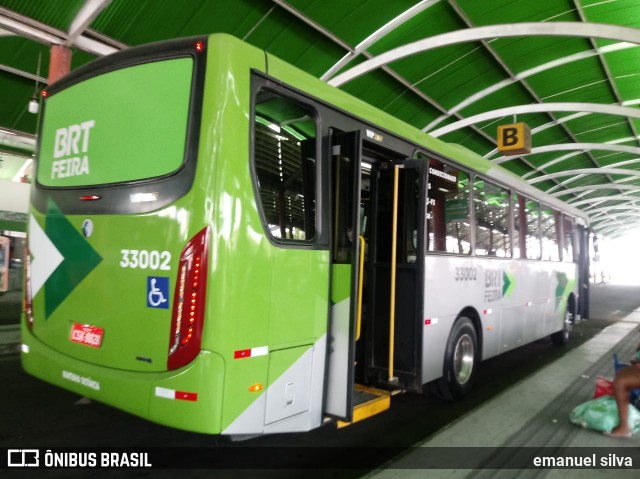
x: 87, y: 335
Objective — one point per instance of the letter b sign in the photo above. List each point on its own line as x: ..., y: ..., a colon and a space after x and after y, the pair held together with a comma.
x: 514, y: 139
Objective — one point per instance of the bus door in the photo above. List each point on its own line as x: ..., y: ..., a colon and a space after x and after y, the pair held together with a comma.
x: 396, y: 273
x: 345, y: 252
x: 361, y: 340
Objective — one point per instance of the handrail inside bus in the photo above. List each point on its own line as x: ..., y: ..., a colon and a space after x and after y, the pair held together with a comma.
x: 363, y: 245
x: 394, y: 247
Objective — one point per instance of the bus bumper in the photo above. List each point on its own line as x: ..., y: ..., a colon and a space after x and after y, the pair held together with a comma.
x: 189, y: 398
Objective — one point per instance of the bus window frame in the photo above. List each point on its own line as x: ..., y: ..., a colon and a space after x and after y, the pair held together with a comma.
x: 558, y: 225
x: 317, y: 241
x: 510, y: 227
x: 426, y: 156
x: 574, y: 224
x: 539, y: 229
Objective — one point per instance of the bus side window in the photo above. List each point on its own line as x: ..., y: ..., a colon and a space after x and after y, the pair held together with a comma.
x: 550, y: 224
x: 448, y: 223
x: 569, y: 237
x: 527, y: 224
x: 284, y: 151
x: 491, y: 206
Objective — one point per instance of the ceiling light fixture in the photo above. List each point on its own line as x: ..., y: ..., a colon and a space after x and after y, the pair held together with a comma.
x: 34, y: 104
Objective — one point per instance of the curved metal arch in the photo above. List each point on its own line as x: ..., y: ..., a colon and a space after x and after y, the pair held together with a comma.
x: 470, y: 100
x: 377, y: 35
x: 632, y: 224
x: 605, y: 210
x: 585, y: 171
x: 598, y: 200
x: 617, y: 141
x: 560, y: 159
x: 616, y: 217
x: 570, y: 147
x: 618, y: 231
x: 590, y: 188
x: 614, y: 232
x: 538, y: 108
x: 623, y: 163
x: 572, y: 29
x: 615, y: 224
x: 564, y: 183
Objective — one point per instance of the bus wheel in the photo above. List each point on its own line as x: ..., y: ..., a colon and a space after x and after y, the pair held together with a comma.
x: 560, y: 338
x: 459, y: 362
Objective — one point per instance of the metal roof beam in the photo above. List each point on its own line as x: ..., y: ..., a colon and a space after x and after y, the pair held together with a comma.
x: 509, y: 30
x: 470, y: 100
x: 591, y: 188
x: 377, y: 35
x: 17, y: 139
x: 600, y: 199
x: 635, y: 150
x: 617, y: 233
x: 87, y: 14
x: 22, y: 73
x: 605, y: 66
x: 27, y: 27
x: 605, y: 210
x: 496, y: 31
x: 410, y: 87
x: 539, y: 108
x: 523, y: 82
x: 585, y: 171
x: 621, y: 220
x: 617, y: 184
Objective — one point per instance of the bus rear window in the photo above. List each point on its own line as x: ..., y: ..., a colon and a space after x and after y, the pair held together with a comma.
x: 122, y: 126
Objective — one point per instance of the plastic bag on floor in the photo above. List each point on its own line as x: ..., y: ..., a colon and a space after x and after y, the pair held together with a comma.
x: 601, y: 414
x: 604, y: 387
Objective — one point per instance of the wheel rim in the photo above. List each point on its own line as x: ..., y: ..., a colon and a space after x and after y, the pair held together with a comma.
x: 463, y: 359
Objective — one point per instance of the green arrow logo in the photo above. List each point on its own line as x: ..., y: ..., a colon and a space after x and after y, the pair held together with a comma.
x: 508, y: 284
x: 79, y: 259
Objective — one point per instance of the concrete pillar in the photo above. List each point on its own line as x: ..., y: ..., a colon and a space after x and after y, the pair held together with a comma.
x: 59, y: 63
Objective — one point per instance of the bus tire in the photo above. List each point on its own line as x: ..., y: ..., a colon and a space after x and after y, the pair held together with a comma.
x: 460, y: 361
x: 560, y: 338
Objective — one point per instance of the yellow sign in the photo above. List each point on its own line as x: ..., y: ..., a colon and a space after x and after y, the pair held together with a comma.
x: 514, y: 139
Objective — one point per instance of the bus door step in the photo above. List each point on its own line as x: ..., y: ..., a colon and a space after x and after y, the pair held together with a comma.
x: 367, y: 402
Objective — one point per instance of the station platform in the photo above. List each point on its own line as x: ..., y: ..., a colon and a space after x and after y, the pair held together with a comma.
x: 533, y: 415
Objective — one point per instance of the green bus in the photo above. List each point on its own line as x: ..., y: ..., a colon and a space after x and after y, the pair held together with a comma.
x: 221, y: 243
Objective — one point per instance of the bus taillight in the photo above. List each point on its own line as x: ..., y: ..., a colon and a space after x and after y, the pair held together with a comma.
x: 28, y: 309
x: 188, y: 302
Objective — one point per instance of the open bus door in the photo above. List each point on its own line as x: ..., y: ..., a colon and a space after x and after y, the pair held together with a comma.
x: 396, y: 273
x: 363, y: 345
x: 345, y: 251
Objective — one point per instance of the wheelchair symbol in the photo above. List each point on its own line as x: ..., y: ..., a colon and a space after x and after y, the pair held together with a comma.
x: 157, y: 292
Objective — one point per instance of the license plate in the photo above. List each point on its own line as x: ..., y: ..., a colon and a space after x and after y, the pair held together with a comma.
x: 87, y: 335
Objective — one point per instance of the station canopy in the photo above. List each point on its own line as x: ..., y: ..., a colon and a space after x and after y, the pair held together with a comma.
x: 456, y: 69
